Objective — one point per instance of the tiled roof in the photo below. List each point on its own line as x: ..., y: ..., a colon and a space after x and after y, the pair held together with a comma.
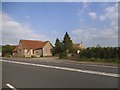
x: 32, y: 44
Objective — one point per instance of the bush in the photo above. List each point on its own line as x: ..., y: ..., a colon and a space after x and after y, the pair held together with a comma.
x: 8, y: 55
x: 62, y: 55
x: 7, y: 50
x: 100, y: 53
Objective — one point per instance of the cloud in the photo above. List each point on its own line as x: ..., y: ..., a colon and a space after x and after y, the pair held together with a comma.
x: 83, y: 8
x: 81, y: 11
x: 106, y: 36
x: 94, y: 36
x: 94, y: 33
x: 13, y: 31
x: 92, y: 14
x: 110, y: 12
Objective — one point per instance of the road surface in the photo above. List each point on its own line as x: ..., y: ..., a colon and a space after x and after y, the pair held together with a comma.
x: 45, y: 73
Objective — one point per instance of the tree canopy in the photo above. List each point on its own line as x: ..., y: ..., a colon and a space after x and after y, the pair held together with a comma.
x: 63, y: 47
x: 67, y: 42
x: 58, y: 46
x: 7, y: 50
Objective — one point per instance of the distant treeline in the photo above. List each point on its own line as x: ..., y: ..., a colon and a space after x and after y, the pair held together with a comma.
x: 101, y: 52
x: 66, y: 50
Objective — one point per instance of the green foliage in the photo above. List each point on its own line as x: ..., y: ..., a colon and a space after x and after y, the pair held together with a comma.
x: 101, y: 53
x: 64, y: 47
x: 7, y: 50
x: 53, y: 51
x: 8, y: 55
x: 58, y: 47
x: 118, y: 51
x: 99, y: 60
x: 67, y: 42
x: 0, y: 48
x: 62, y: 55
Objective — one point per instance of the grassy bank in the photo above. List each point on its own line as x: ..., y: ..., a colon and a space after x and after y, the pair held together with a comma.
x: 116, y: 61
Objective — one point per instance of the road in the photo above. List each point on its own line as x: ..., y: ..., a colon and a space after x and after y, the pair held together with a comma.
x: 45, y: 73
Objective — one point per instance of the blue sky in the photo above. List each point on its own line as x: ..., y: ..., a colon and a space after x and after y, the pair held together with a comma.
x: 90, y: 23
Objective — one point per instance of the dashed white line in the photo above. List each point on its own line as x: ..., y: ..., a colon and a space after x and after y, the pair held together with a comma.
x: 10, y: 86
x: 65, y: 68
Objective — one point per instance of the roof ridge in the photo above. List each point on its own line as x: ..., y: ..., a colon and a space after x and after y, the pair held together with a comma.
x: 30, y: 40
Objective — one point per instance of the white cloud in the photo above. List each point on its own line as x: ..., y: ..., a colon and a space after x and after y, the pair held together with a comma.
x: 110, y: 12
x: 107, y: 36
x: 102, y: 18
x: 92, y: 14
x: 84, y: 8
x: 94, y: 36
x: 13, y: 31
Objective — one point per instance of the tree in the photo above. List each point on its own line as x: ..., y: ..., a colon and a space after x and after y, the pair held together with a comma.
x: 67, y: 42
x: 58, y: 47
x: 118, y: 52
x: 7, y: 50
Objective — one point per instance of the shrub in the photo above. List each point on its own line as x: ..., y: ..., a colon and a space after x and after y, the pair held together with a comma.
x: 62, y: 55
x: 8, y: 55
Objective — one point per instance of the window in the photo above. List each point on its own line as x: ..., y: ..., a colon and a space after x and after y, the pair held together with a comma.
x: 33, y: 51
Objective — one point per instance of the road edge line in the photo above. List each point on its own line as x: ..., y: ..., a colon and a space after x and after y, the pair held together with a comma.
x: 10, y: 86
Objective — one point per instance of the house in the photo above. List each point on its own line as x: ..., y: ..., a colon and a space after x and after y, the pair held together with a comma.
x: 78, y: 46
x: 29, y: 48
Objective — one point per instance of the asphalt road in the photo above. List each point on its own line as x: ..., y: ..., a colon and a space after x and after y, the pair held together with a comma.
x: 47, y: 73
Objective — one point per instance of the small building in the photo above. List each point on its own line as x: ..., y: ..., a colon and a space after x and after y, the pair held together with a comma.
x: 29, y: 48
x: 78, y: 46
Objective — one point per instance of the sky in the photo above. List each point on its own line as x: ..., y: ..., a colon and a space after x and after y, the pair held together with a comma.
x: 92, y: 23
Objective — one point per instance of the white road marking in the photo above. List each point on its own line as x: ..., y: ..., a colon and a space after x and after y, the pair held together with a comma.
x: 65, y: 68
x: 10, y: 86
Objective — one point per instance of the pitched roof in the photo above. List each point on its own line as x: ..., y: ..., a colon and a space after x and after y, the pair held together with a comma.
x: 32, y: 44
x: 15, y: 49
